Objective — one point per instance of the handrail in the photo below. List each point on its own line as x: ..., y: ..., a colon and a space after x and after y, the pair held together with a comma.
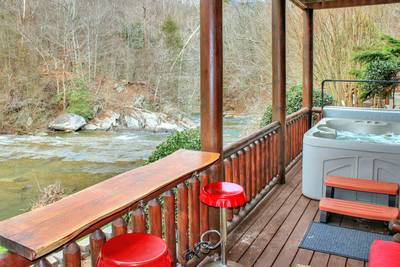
x: 251, y: 162
x: 296, y: 114
x: 234, y: 147
x: 42, y: 231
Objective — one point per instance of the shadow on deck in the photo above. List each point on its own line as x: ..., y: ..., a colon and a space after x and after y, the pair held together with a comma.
x: 270, y: 235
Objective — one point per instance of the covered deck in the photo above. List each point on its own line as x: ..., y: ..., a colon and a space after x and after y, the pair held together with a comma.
x: 162, y: 198
x: 270, y: 235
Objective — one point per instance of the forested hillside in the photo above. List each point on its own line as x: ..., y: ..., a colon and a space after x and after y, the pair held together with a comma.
x: 77, y: 54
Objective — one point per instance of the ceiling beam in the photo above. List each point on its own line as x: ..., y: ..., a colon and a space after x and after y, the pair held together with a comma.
x: 346, y: 3
x: 299, y: 4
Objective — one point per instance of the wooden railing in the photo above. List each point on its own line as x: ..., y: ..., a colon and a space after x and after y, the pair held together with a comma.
x: 130, y: 202
x: 252, y: 163
x: 296, y: 126
x: 161, y: 198
x: 317, y: 114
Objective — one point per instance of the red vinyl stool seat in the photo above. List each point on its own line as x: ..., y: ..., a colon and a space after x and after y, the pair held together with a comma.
x: 384, y: 254
x: 223, y: 195
x: 135, y: 249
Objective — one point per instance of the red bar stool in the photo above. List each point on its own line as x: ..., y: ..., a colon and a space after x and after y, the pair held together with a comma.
x: 223, y: 195
x: 137, y: 249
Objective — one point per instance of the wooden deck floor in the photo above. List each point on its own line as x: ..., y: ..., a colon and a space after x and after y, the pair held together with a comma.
x: 270, y: 235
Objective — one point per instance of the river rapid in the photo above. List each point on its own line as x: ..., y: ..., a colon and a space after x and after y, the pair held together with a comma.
x: 76, y: 160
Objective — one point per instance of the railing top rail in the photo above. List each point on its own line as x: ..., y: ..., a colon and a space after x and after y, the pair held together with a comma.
x: 234, y: 147
x: 296, y: 114
x: 39, y: 232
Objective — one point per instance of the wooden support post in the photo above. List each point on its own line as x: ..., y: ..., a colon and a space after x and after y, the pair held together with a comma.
x: 308, y: 62
x: 211, y: 88
x: 279, y: 78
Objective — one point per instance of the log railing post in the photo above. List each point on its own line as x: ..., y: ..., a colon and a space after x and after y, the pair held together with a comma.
x: 97, y: 240
x: 119, y: 227
x: 308, y: 29
x: 279, y: 77
x: 139, y: 221
x: 155, y: 217
x: 72, y: 255
x: 211, y: 87
x: 10, y: 259
x: 169, y: 219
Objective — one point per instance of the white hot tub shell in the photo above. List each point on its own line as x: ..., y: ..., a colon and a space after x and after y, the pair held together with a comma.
x: 324, y: 154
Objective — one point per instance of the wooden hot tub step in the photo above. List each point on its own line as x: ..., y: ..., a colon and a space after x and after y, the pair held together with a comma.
x: 362, y: 185
x: 356, y: 209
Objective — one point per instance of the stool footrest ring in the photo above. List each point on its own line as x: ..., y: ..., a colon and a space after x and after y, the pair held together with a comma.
x: 203, y: 246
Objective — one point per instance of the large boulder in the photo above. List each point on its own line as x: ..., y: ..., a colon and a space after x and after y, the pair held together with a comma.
x: 67, y: 122
x: 104, y: 121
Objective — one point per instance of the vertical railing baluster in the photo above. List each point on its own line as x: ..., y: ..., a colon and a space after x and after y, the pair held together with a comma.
x: 10, y: 259
x: 235, y: 176
x: 258, y: 165
x: 248, y: 173
x: 155, y: 217
x: 253, y: 171
x: 228, y: 178
x: 287, y: 143
x: 268, y: 157
x: 169, y: 221
x: 276, y: 151
x: 194, y: 212
x: 182, y: 222
x: 72, y: 255
x: 119, y: 227
x: 96, y: 240
x: 242, y: 169
x: 203, y: 207
x: 263, y: 170
x: 138, y: 221
x: 41, y: 263
x: 228, y: 170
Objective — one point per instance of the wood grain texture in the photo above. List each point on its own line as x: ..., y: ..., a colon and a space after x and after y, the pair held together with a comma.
x: 119, y: 227
x: 279, y: 78
x: 194, y: 212
x: 308, y: 59
x: 42, y: 231
x: 97, y: 240
x: 169, y: 219
x: 182, y: 224
x: 138, y: 221
x: 155, y: 217
x: 203, y: 207
x: 72, y: 255
x: 345, y: 3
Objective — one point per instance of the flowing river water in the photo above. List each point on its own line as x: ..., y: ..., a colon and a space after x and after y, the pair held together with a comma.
x: 76, y: 160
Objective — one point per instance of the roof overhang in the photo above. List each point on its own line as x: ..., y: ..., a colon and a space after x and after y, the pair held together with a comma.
x: 324, y: 4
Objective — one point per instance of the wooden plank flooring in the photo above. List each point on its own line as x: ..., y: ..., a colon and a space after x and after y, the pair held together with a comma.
x: 270, y: 234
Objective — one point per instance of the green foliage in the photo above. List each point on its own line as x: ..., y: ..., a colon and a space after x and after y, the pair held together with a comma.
x: 267, y: 116
x: 171, y: 33
x: 388, y: 48
x: 380, y: 61
x: 294, y: 102
x: 187, y: 139
x: 78, y: 99
x: 2, y: 250
x: 133, y: 34
x: 379, y: 70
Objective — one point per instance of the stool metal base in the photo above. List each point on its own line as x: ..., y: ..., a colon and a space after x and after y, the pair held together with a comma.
x: 218, y: 263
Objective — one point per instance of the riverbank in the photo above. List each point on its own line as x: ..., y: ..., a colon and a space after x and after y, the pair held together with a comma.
x: 77, y: 160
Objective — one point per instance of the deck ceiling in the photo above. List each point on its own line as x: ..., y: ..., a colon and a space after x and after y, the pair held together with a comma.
x: 323, y: 4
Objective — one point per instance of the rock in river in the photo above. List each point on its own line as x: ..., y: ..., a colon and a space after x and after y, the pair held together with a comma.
x: 67, y: 122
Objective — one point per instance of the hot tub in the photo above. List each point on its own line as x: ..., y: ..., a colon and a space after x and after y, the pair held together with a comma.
x: 358, y: 143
